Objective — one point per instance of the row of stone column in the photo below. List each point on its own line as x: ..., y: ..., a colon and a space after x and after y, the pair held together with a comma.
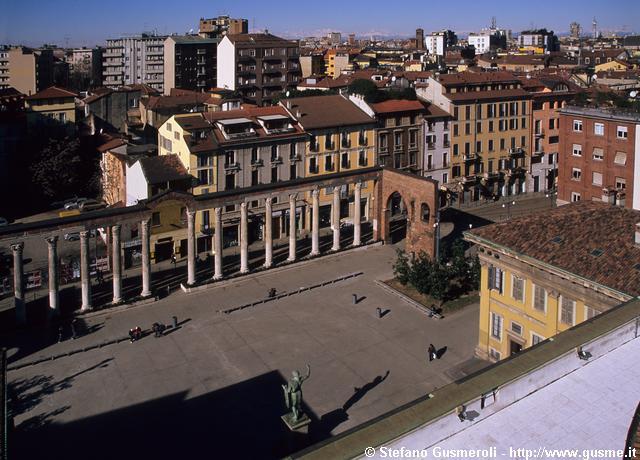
x: 85, y: 282
x: 268, y: 237
x: 116, y: 264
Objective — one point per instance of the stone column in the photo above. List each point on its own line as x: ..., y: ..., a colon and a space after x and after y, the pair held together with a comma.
x: 244, y: 239
x: 85, y: 279
x: 315, y: 222
x: 268, y: 234
x: 116, y: 264
x: 146, y: 258
x: 335, y: 217
x: 191, y: 247
x: 292, y: 227
x: 18, y: 284
x: 52, y: 243
x: 217, y: 245
x: 356, y: 214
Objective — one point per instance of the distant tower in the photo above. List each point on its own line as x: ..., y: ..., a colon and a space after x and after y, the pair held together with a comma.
x: 352, y: 39
x: 575, y: 30
x: 493, y: 23
x: 594, y: 27
x: 419, y: 39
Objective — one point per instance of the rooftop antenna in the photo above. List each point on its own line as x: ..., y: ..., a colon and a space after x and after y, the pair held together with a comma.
x: 594, y: 27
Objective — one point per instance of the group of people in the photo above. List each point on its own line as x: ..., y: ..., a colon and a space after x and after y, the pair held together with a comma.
x: 158, y: 329
x: 135, y: 334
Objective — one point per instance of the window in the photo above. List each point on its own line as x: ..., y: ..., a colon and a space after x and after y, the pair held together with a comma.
x: 445, y: 178
x: 344, y: 160
x: 597, y: 178
x: 455, y: 149
x: 620, y: 158
x: 274, y: 174
x: 598, y: 129
x: 176, y: 135
x: 517, y: 288
x: 516, y: 328
x: 567, y: 311
x: 496, y: 279
x: 540, y: 298
x: 622, y: 132
x: 467, y: 128
x: 445, y: 160
x: 169, y: 127
x: 575, y: 196
x: 577, y: 126
x: 255, y: 177
x: 496, y: 326
x: 576, y: 174
x: 621, y: 183
x: 328, y: 163
x: 577, y: 150
x: 455, y: 130
x: 494, y: 354
x: 598, y: 154
x: 313, y: 165
x: 155, y: 219
x: 536, y: 339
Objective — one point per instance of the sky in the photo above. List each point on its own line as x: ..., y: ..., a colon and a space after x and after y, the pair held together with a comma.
x: 91, y: 22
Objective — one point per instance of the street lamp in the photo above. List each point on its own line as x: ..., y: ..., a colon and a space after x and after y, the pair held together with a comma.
x: 508, y: 205
x: 436, y: 226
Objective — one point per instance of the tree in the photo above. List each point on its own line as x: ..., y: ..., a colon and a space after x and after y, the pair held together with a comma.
x: 439, y: 282
x: 364, y: 87
x: 63, y: 169
x: 421, y: 273
x: 459, y: 262
x: 475, y: 273
x: 402, y: 268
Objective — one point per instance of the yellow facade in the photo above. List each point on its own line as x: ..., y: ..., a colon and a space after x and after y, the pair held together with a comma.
x: 57, y: 111
x: 610, y: 66
x: 519, y: 311
x: 168, y: 220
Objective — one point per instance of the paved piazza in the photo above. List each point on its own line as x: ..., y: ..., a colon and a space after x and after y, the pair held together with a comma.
x: 213, y: 385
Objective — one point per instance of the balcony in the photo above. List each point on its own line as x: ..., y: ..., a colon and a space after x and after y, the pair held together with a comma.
x: 232, y: 167
x: 469, y: 179
x: 384, y: 150
x: 246, y: 58
x: 516, y: 151
x: 362, y: 141
x: 346, y: 143
x: 330, y: 146
x: 272, y: 57
x: 273, y: 81
x: 538, y: 152
x: 257, y: 163
x: 490, y: 175
x: 271, y: 69
x: 294, y: 157
x: 413, y: 146
x: 446, y: 144
x: 469, y: 156
x: 363, y: 162
x: 313, y: 169
x: 431, y: 145
x: 397, y: 148
x: 276, y: 161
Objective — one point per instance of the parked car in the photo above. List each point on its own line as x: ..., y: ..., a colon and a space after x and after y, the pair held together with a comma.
x: 73, y: 236
x: 91, y: 205
x: 3, y: 222
x: 74, y: 203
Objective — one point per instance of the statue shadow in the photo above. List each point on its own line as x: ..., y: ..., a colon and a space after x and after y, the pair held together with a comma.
x: 322, y: 428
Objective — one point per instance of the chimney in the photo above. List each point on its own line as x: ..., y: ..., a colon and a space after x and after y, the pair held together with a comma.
x: 608, y: 196
x: 637, y: 239
x: 288, y: 104
x: 298, y: 113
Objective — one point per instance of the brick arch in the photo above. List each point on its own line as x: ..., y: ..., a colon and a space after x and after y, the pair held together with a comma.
x: 415, y: 191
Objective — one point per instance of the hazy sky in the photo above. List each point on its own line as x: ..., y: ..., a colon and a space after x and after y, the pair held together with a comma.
x: 90, y: 22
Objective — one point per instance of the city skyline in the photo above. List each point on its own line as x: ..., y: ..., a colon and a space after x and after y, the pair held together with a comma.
x: 75, y: 25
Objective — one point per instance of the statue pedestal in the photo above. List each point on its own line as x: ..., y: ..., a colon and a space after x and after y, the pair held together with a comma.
x: 299, y: 426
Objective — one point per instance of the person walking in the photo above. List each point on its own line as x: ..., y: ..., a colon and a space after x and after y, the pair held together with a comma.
x: 432, y: 352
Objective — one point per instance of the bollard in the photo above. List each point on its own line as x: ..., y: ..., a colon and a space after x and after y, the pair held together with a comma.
x: 355, y: 299
x: 379, y: 310
x: 175, y: 322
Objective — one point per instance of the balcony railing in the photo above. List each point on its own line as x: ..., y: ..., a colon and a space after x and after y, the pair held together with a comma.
x: 383, y: 149
x: 362, y: 162
x: 413, y: 145
x: 362, y: 141
x: 294, y: 157
x: 516, y: 151
x: 346, y: 143
x: 232, y: 166
x: 258, y: 162
x: 469, y: 156
x: 276, y: 160
x: 397, y: 148
x: 313, y: 169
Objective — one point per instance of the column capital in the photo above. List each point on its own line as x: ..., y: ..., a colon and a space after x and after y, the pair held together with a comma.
x: 315, y: 193
x: 115, y: 228
x: 217, y: 211
x: 336, y: 190
x: 358, y: 185
x: 52, y: 240
x: 243, y: 206
x: 191, y: 213
x: 144, y: 223
x: 267, y: 201
x: 84, y: 234
x: 17, y: 247
x: 553, y: 293
x: 293, y: 197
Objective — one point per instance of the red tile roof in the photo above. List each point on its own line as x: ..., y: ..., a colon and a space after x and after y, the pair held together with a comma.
x: 465, y: 78
x: 397, y: 105
x: 579, y: 228
x: 52, y: 92
x: 482, y: 95
x: 318, y: 112
x: 112, y: 144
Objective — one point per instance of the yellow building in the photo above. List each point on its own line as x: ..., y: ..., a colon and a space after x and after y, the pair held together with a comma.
x: 342, y: 138
x: 613, y: 66
x: 490, y: 132
x: 545, y: 273
x: 52, y: 108
x: 335, y: 62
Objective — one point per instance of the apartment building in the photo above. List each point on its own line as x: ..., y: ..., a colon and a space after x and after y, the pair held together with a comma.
x: 436, y: 128
x: 438, y: 42
x: 550, y: 93
x: 543, y: 274
x: 539, y: 41
x: 258, y: 66
x: 26, y: 69
x: 490, y: 132
x: 221, y: 26
x: 131, y: 60
x: 53, y: 109
x: 190, y: 62
x: 488, y: 39
x: 85, y: 66
x: 597, y: 156
x: 335, y: 62
x: 341, y: 138
x: 237, y: 149
x: 312, y: 64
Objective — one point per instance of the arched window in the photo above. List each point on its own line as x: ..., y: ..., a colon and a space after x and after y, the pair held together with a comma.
x: 425, y: 212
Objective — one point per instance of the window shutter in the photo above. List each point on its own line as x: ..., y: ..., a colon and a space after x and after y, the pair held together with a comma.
x: 492, y: 276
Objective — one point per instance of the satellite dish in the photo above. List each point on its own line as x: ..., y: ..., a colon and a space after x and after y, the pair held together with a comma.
x: 287, y: 94
x: 393, y: 78
x: 633, y: 94
x: 595, y: 77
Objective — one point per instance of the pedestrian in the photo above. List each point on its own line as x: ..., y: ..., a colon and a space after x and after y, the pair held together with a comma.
x: 432, y: 352
x: 154, y: 328
x: 174, y: 260
x: 74, y: 323
x: 272, y: 293
x: 175, y: 322
x: 355, y: 299
x: 379, y: 310
x: 132, y: 335
x: 59, y: 334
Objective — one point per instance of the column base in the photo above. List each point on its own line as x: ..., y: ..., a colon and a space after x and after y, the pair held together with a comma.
x: 145, y: 294
x: 356, y: 244
x: 217, y: 277
x: 116, y: 301
x: 85, y: 308
x: 244, y: 272
x: 314, y: 253
x: 291, y: 259
x: 267, y: 265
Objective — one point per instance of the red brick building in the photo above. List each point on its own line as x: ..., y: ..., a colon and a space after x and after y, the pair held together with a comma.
x: 597, y: 156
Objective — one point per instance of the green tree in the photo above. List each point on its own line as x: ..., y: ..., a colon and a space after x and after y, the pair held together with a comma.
x: 421, y: 273
x: 474, y: 273
x: 363, y: 87
x: 439, y: 282
x: 63, y: 169
x: 402, y: 268
x: 459, y: 262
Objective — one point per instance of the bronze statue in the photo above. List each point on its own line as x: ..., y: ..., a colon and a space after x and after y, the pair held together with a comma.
x: 293, y: 394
